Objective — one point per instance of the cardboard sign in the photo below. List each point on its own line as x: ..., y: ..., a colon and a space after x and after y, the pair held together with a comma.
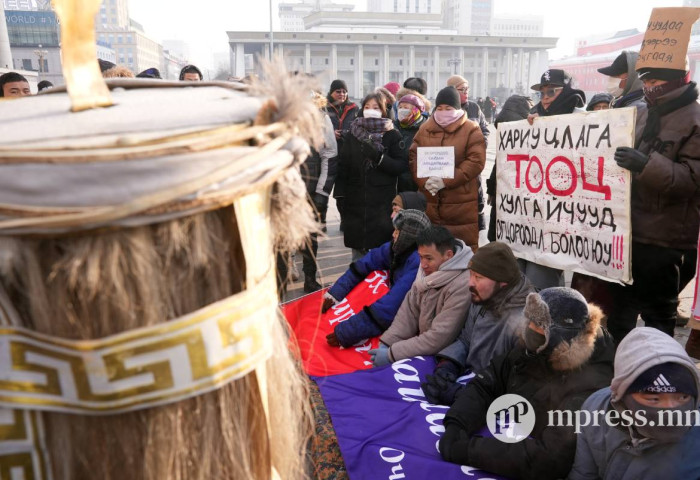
x: 436, y: 162
x: 666, y: 39
x: 562, y: 201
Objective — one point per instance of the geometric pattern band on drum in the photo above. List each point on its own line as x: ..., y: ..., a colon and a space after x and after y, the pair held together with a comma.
x: 139, y: 368
x: 22, y: 449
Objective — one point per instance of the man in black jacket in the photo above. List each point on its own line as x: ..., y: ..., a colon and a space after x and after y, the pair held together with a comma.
x: 565, y: 356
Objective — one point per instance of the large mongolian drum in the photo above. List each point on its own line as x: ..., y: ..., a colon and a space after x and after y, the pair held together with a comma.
x: 139, y: 330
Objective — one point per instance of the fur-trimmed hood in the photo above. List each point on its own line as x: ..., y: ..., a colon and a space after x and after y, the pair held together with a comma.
x: 562, y: 353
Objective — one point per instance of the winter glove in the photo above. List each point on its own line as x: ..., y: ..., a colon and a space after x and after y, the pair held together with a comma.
x: 631, y: 159
x: 439, y: 391
x: 454, y: 445
x: 448, y: 370
x: 328, y: 302
x: 332, y: 340
x: 434, y: 185
x: 380, y: 355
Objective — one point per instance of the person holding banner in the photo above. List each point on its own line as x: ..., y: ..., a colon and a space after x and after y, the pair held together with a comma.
x: 557, y: 97
x: 433, y: 312
x: 665, y: 166
x: 447, y: 173
x: 401, y: 259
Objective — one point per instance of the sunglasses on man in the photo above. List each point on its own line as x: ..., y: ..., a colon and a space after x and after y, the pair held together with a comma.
x: 550, y: 92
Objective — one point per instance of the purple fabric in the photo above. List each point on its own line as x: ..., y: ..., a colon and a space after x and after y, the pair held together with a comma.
x: 385, y: 426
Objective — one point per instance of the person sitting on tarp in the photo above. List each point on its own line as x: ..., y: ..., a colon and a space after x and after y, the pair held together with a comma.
x: 656, y: 384
x: 494, y: 321
x: 565, y: 356
x: 400, y: 257
x: 433, y: 313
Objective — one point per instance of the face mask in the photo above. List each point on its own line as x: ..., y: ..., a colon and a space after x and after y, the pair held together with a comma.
x: 533, y: 340
x: 613, y: 87
x: 405, y: 114
x: 447, y: 117
x: 370, y: 113
x: 665, y: 434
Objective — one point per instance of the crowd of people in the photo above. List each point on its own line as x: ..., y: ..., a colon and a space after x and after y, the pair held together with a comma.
x: 479, y: 308
x: 513, y: 322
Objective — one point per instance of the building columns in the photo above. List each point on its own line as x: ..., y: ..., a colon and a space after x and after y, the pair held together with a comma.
x: 307, y: 58
x: 485, y: 71
x: 239, y: 56
x: 385, y: 65
x: 360, y: 71
x: 334, y: 62
x: 435, y: 83
x: 521, y: 63
x: 509, y: 70
x: 411, y: 61
x: 461, y: 67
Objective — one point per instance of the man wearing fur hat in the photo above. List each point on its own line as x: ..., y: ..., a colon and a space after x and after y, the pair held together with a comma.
x: 493, y: 322
x: 654, y: 379
x: 401, y: 259
x: 563, y: 358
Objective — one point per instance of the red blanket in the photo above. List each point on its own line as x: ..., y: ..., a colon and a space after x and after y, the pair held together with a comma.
x: 311, y: 327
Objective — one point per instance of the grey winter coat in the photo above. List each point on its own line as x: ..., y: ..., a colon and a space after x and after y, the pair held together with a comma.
x: 433, y: 313
x: 491, y: 329
x: 616, y: 453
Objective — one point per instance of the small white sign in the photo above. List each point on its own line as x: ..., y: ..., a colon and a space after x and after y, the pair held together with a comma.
x: 436, y: 162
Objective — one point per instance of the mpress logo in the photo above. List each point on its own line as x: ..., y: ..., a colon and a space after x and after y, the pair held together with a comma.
x: 510, y: 418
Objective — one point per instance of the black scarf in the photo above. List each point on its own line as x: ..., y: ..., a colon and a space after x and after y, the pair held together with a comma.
x: 653, y: 125
x: 565, y: 103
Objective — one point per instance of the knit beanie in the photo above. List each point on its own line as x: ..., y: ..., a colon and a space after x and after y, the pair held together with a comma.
x: 496, y: 261
x: 599, y: 98
x: 338, y: 85
x: 456, y: 80
x: 413, y: 201
x: 393, y: 87
x: 448, y: 96
x: 413, y: 100
x: 417, y: 84
x: 409, y: 223
x: 666, y: 377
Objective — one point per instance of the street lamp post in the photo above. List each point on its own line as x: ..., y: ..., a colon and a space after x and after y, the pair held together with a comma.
x: 272, y: 43
x: 41, y: 54
x: 454, y: 63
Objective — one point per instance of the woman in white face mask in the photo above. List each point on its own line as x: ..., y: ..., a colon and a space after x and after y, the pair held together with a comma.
x: 410, y: 116
x: 452, y: 202
x: 370, y: 163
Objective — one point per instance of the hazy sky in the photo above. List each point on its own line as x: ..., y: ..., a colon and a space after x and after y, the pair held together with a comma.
x: 204, y: 27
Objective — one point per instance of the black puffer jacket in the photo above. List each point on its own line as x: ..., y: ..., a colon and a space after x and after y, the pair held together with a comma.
x: 561, y: 381
x: 406, y: 183
x: 369, y: 190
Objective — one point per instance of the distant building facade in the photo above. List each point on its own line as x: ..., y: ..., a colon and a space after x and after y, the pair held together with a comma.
x: 497, y: 66
x: 404, y: 6
x: 521, y: 26
x: 292, y: 15
x: 34, y: 43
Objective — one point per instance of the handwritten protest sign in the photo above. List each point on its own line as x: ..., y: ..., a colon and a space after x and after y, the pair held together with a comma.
x: 666, y: 39
x: 436, y: 162
x: 562, y: 200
